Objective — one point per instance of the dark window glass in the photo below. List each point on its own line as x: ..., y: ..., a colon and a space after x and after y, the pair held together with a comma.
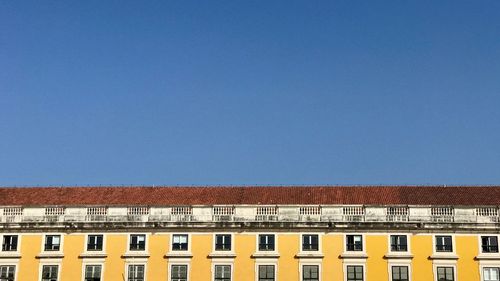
x: 310, y: 242
x: 7, y: 272
x: 94, y: 243
x: 49, y: 272
x: 266, y: 272
x: 310, y: 273
x: 354, y: 243
x: 179, y: 273
x: 9, y: 243
x: 444, y: 244
x: 137, y: 242
x: 135, y: 272
x: 354, y: 273
x: 445, y: 274
x: 266, y: 242
x: 489, y: 244
x: 52, y: 243
x: 179, y: 242
x: 222, y: 273
x: 399, y: 243
x: 93, y: 273
x: 223, y: 242
x: 399, y: 273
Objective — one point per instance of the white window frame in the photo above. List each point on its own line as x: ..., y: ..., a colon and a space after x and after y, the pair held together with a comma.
x: 453, y: 244
x: 444, y: 264
x: 170, y: 264
x: 86, y: 263
x: 44, y: 263
x: 103, y: 243
x: 305, y: 263
x: 230, y: 264
x: 144, y: 263
x: 355, y: 264
x: 10, y: 263
x: 480, y: 245
x: 266, y: 251
x: 363, y: 243
x: 483, y: 266
x: 214, y: 239
x: 17, y: 251
x: 259, y: 263
x: 188, y: 243
x: 320, y: 248
x: 61, y: 244
x: 408, y: 244
x: 146, y: 243
x: 407, y: 264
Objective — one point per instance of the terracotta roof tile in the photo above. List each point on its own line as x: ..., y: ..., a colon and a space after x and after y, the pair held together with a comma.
x: 165, y: 195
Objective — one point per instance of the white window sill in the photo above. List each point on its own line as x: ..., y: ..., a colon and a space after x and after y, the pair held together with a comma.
x: 313, y: 255
x: 96, y: 254
x: 138, y: 254
x: 485, y: 256
x: 179, y: 254
x: 10, y: 255
x: 222, y: 254
x: 398, y: 255
x: 444, y: 256
x: 268, y: 254
x: 354, y: 255
x: 50, y: 255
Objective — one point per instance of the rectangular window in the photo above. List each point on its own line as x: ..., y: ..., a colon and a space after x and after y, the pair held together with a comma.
x: 180, y: 242
x: 444, y: 244
x: 7, y: 272
x: 310, y: 242
x: 93, y: 272
x: 310, y: 273
x: 399, y: 243
x: 354, y: 273
x: 266, y: 272
x: 490, y: 274
x: 52, y: 243
x: 445, y: 274
x: 135, y: 272
x: 223, y: 242
x: 49, y: 272
x: 179, y: 273
x: 9, y: 243
x: 94, y: 242
x: 399, y: 273
x: 137, y: 242
x: 222, y: 273
x: 489, y: 244
x: 354, y: 243
x: 266, y: 242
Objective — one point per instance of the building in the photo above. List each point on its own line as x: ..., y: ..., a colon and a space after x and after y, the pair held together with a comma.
x: 330, y: 233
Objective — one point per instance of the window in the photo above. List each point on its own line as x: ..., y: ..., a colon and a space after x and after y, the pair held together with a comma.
x: 137, y: 242
x: 399, y: 243
x: 445, y: 274
x: 52, y: 243
x: 490, y: 274
x: 310, y: 242
x: 9, y: 243
x: 266, y: 242
x: 93, y: 273
x: 354, y: 243
x: 49, y: 272
x: 354, y: 273
x: 222, y: 273
x: 7, y: 272
x: 444, y: 244
x: 94, y: 243
x: 266, y: 272
x: 179, y: 273
x: 135, y: 272
x: 399, y: 273
x: 489, y: 244
x: 223, y: 242
x: 310, y: 273
x: 180, y: 242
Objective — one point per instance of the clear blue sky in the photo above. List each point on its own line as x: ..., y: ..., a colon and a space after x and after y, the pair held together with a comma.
x: 249, y: 92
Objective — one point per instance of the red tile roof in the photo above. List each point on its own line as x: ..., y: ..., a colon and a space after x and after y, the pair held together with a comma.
x: 156, y: 196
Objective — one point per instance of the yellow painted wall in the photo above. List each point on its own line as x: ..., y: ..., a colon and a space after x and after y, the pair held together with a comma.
x: 244, y: 245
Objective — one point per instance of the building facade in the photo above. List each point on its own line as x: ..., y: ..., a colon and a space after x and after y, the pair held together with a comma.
x: 330, y: 233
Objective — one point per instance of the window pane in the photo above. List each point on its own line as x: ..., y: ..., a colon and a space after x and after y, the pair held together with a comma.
x: 310, y: 272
